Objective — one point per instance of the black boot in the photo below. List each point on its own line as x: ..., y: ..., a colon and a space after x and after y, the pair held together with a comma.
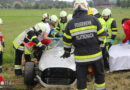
x: 18, y: 72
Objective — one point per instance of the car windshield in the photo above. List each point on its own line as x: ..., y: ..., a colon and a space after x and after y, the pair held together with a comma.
x: 56, y: 43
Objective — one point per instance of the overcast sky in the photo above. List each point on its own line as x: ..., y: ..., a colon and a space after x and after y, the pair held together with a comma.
x: 71, y: 0
x: 67, y: 0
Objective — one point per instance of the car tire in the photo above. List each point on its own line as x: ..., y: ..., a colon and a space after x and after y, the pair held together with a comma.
x: 29, y: 74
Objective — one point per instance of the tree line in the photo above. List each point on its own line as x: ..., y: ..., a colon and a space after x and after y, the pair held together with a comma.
x: 37, y: 5
x: 123, y: 3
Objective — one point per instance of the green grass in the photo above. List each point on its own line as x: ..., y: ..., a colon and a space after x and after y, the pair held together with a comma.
x: 16, y: 21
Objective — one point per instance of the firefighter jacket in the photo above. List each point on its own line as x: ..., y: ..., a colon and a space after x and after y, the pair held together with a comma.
x: 126, y: 27
x: 1, y: 41
x: 84, y: 32
x: 110, y: 28
x: 26, y: 37
x: 61, y: 26
x: 103, y: 23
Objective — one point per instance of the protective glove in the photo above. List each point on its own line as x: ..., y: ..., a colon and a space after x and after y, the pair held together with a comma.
x: 66, y: 54
x: 60, y: 35
x: 121, y: 43
x: 111, y: 41
x: 56, y: 38
x: 42, y: 47
x: 128, y: 41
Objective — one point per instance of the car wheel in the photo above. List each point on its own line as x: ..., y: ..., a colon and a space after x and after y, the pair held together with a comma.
x: 29, y: 74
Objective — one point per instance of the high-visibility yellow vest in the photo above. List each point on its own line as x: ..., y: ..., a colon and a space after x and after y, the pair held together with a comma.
x: 108, y: 28
x: 62, y: 26
x: 18, y: 40
x: 103, y: 23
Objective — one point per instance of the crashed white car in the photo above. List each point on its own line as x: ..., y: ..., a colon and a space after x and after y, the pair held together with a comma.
x: 52, y: 70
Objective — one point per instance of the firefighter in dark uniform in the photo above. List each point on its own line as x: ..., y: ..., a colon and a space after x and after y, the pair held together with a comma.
x: 29, y: 35
x: 84, y: 32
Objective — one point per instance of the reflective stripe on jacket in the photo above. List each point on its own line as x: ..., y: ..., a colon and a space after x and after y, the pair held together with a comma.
x: 84, y: 32
x: 26, y: 36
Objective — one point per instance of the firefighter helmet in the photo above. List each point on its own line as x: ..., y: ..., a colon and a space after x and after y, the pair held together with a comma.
x: 95, y: 11
x: 63, y: 14
x: 1, y: 21
x: 69, y: 17
x: 45, y: 15
x: 40, y: 27
x: 82, y: 4
x: 54, y: 18
x: 90, y: 11
x: 106, y: 12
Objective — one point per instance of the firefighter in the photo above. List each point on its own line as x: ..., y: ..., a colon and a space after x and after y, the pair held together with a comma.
x: 2, y: 49
x: 61, y: 23
x: 44, y: 38
x: 103, y: 43
x: 45, y: 18
x: 110, y: 26
x: 98, y: 15
x: 21, y: 44
x: 126, y: 27
x: 84, y: 33
x: 53, y: 18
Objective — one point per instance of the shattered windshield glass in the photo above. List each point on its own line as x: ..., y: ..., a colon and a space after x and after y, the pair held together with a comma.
x: 56, y: 43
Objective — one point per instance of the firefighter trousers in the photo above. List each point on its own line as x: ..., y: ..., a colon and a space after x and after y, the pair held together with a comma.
x: 18, y: 56
x: 105, y: 55
x: 82, y: 72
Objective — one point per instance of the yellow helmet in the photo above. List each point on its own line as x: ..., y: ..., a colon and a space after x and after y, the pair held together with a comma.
x: 90, y: 11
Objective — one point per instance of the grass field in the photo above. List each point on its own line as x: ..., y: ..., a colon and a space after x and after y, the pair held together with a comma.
x: 16, y: 21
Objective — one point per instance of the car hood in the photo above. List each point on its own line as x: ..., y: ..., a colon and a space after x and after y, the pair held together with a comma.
x: 52, y: 59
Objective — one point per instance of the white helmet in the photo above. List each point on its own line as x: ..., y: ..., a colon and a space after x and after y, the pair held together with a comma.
x: 63, y: 14
x: 54, y: 18
x: 69, y: 17
x: 45, y: 15
x: 106, y: 12
x: 40, y: 26
x: 1, y: 21
x: 95, y: 11
x: 82, y: 4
